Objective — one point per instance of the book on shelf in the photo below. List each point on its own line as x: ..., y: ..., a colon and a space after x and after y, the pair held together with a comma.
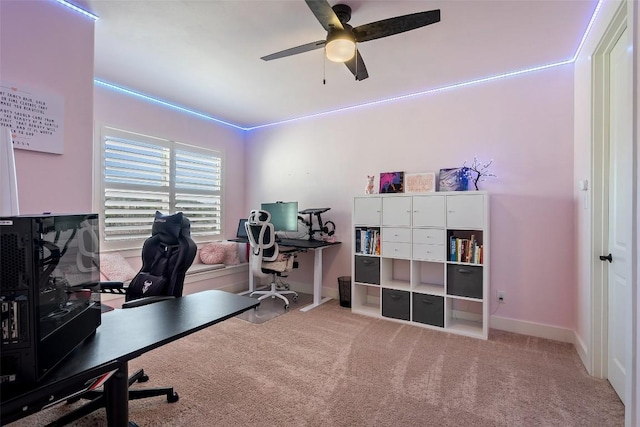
x: 465, y: 250
x: 453, y: 254
x: 469, y: 253
x: 367, y: 241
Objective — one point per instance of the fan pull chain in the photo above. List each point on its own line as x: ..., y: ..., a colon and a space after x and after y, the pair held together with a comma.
x: 324, y: 66
x: 356, y: 54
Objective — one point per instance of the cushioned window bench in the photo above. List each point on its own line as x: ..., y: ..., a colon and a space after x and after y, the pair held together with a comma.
x: 217, y: 265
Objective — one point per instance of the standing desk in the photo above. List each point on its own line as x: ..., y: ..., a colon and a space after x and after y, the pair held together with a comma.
x: 317, y: 246
x: 123, y: 335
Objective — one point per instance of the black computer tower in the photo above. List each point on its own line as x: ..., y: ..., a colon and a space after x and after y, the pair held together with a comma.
x: 49, y: 291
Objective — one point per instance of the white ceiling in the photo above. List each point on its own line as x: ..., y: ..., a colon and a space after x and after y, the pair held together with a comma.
x: 205, y: 55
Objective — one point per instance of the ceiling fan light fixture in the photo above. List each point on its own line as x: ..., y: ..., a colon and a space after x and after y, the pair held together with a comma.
x: 340, y: 46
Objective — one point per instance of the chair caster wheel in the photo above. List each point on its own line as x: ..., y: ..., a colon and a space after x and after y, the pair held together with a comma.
x: 286, y: 307
x: 173, y: 397
x: 295, y: 298
x: 143, y: 379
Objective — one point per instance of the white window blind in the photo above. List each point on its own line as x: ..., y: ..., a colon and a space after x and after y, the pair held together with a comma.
x: 144, y: 174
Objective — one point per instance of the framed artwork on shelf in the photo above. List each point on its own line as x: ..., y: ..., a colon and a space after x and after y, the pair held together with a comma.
x: 424, y: 182
x: 392, y: 182
x: 453, y: 179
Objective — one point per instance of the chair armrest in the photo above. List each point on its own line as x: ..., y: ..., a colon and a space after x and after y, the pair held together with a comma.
x: 146, y: 300
x: 112, y: 288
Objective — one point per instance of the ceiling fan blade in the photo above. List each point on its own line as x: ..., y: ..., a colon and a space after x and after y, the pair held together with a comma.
x: 357, y: 67
x: 399, y: 24
x: 325, y: 14
x: 295, y: 50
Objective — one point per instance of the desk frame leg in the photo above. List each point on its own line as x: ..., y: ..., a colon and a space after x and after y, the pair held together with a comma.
x: 116, y: 393
x: 252, y: 286
x: 317, y: 282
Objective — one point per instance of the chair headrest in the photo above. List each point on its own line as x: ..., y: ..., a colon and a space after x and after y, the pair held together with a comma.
x: 259, y: 216
x: 171, y: 225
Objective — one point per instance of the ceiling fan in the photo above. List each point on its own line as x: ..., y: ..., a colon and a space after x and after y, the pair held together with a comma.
x: 340, y: 44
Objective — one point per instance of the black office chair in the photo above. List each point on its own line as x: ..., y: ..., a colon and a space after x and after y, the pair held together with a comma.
x: 166, y: 256
x: 266, y: 258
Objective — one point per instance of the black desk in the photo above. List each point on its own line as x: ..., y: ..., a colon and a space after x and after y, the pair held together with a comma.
x: 122, y: 336
x: 305, y: 244
x: 315, y: 245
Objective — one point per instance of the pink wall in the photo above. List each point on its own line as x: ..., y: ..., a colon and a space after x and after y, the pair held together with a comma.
x: 46, y: 46
x: 129, y: 113
x: 524, y: 123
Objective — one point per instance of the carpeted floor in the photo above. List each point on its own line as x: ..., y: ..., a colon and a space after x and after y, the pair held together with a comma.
x: 329, y: 367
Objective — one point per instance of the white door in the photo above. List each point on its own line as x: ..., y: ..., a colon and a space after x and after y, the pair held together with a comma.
x: 620, y: 211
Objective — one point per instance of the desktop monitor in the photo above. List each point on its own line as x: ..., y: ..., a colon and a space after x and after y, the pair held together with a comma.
x: 284, y: 215
x: 241, y: 232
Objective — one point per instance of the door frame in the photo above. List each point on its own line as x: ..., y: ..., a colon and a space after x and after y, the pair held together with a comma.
x: 600, y: 191
x: 600, y: 197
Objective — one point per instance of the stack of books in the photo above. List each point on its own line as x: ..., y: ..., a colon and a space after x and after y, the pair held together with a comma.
x: 465, y: 250
x: 368, y: 241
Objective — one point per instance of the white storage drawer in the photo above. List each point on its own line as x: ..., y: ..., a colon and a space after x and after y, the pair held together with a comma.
x: 429, y: 236
x: 428, y: 252
x: 396, y: 234
x: 396, y: 250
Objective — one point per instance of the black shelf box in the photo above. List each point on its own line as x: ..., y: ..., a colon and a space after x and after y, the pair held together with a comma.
x: 367, y: 269
x: 464, y: 280
x: 428, y: 309
x: 396, y: 304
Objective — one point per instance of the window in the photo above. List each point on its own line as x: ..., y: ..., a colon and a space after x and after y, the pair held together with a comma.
x: 142, y: 174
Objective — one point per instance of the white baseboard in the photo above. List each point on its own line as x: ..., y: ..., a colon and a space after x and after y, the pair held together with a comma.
x: 495, y: 322
x: 581, y: 348
x: 533, y: 329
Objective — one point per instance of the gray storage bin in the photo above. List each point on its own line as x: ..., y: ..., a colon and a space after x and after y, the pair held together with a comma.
x: 464, y: 281
x: 367, y: 269
x: 428, y: 309
x: 396, y: 304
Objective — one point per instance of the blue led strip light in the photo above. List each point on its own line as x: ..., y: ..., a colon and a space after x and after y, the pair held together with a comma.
x: 588, y: 30
x: 77, y: 9
x: 165, y: 103
x: 366, y: 104
x: 411, y: 95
